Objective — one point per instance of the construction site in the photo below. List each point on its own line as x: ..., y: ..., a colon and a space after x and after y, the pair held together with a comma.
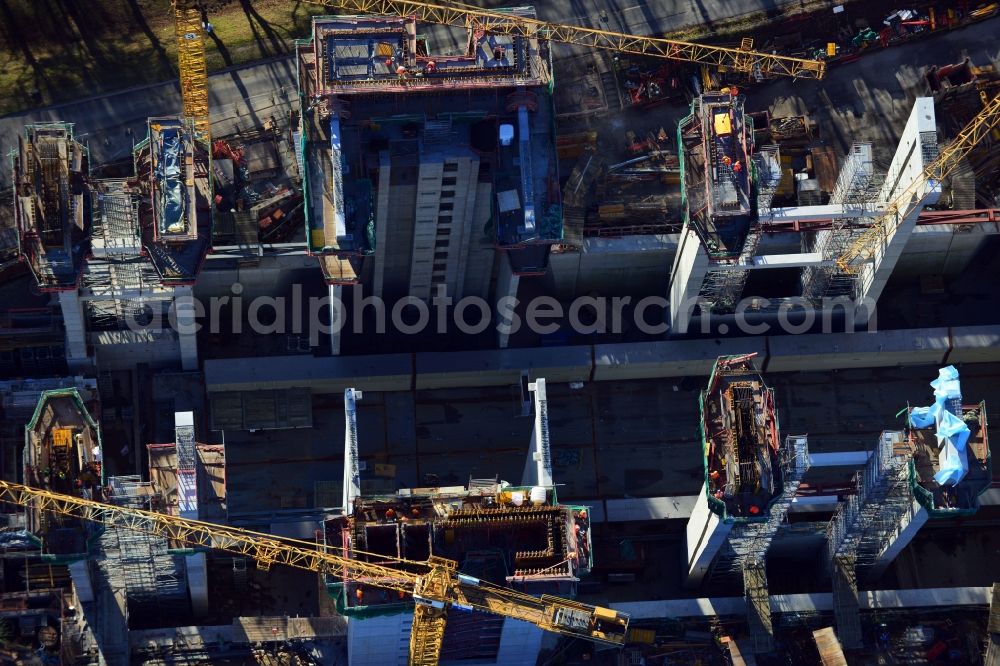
x: 754, y: 428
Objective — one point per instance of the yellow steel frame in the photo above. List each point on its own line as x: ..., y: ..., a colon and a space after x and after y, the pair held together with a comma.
x: 191, y: 65
x: 465, y: 16
x: 263, y: 548
x: 434, y: 580
x: 426, y: 635
x: 867, y: 243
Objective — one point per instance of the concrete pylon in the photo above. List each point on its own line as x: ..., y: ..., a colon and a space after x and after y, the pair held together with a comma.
x: 187, y: 335
x: 917, y: 148
x: 507, y: 285
x: 352, y: 469
x: 75, y: 325
x: 538, y: 466
x: 686, y: 278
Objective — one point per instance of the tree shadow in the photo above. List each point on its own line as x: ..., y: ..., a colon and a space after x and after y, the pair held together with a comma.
x: 16, y: 37
x: 161, y: 53
x: 221, y: 48
x: 277, y: 43
x: 83, y: 28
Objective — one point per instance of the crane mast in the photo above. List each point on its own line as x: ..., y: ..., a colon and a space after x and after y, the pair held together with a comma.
x: 191, y: 65
x: 435, y: 585
x: 742, y: 59
x: 867, y: 243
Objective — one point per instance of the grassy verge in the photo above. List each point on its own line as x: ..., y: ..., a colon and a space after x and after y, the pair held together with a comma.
x: 56, y: 50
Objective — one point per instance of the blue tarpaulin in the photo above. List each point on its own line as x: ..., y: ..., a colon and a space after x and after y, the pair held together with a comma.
x: 168, y: 173
x: 952, y: 431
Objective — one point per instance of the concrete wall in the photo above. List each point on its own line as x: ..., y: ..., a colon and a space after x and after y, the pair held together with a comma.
x: 615, y: 266
x: 500, y: 368
x: 974, y: 344
x: 804, y: 603
x: 836, y: 351
x: 643, y: 360
x: 520, y: 643
x: 272, y: 275
x: 481, y: 253
x: 425, y: 226
x: 379, y: 641
x: 122, y: 350
x: 390, y: 372
x: 941, y: 248
x: 674, y: 358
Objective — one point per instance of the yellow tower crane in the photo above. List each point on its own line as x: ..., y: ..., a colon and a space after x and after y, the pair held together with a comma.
x: 191, y: 65
x: 434, y: 585
x: 194, y: 73
x: 867, y: 244
x: 743, y: 59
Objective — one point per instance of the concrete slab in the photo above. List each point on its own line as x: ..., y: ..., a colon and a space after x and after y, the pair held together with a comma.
x: 502, y: 367
x: 384, y: 372
x: 835, y: 351
x: 974, y: 344
x: 674, y: 358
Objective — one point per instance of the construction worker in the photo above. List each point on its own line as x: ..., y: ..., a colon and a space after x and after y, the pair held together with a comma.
x: 390, y: 513
x: 737, y: 166
x: 359, y: 594
x: 431, y: 66
x: 726, y: 160
x: 714, y: 475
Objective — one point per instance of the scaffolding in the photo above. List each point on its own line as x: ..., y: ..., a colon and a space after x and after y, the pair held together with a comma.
x: 120, y: 278
x: 50, y: 214
x: 746, y: 549
x: 858, y: 186
x: 865, y: 525
x: 723, y: 212
x: 154, y: 580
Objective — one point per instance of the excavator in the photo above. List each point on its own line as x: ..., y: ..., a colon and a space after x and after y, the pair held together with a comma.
x: 435, y: 585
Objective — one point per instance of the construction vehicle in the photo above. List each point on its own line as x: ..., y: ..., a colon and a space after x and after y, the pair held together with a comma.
x: 867, y: 244
x: 434, y: 585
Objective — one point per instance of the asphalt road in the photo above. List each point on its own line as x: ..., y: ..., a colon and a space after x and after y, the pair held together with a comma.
x: 239, y: 97
x: 870, y: 99
x: 110, y: 123
x: 641, y: 17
